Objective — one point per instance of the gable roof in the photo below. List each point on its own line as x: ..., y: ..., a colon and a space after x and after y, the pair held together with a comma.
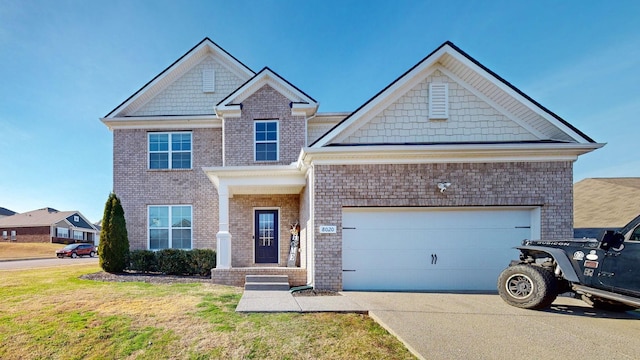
x: 605, y: 202
x: 43, y: 217
x: 300, y: 102
x: 177, y: 68
x: 6, y: 212
x: 459, y: 65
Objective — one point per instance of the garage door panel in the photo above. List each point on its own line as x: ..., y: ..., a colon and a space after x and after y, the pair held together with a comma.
x: 391, y: 249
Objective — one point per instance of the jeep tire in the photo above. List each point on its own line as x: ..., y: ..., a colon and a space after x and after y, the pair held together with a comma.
x: 527, y: 287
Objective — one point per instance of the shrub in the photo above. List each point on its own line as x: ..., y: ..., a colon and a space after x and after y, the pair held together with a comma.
x: 201, y: 261
x: 114, y: 242
x: 173, y: 262
x: 143, y: 261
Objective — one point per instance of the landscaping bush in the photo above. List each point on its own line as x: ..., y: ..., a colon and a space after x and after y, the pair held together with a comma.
x: 173, y: 262
x: 114, y: 241
x: 144, y: 261
x: 201, y: 261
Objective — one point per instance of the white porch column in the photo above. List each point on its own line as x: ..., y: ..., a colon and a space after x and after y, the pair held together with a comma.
x: 223, y: 243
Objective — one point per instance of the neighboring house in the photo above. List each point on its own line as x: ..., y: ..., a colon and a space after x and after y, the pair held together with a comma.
x: 47, y: 226
x: 426, y: 186
x: 604, y: 204
x: 4, y: 212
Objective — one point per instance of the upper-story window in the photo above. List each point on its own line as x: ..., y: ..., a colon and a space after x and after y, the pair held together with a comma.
x: 170, y: 150
x: 266, y: 140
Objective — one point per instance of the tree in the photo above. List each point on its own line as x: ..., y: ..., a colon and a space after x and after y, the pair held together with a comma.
x: 114, y: 242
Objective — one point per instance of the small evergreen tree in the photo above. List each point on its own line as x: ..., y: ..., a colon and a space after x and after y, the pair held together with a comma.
x: 114, y: 242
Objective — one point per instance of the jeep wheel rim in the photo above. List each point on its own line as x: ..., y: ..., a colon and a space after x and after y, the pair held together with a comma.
x: 519, y: 286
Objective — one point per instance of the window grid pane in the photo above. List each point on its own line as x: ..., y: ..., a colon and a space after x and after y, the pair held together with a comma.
x: 164, y: 234
x: 266, y: 141
x: 176, y: 156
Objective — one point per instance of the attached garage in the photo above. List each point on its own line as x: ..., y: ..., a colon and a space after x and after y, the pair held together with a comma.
x: 431, y: 249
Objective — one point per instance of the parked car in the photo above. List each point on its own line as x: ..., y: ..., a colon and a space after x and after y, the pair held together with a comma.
x: 75, y: 250
x: 604, y: 273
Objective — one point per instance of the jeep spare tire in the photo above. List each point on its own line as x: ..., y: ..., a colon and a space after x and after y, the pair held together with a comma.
x: 527, y: 287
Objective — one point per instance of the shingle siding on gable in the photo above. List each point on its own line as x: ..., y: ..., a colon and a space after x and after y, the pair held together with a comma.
x: 185, y: 95
x: 470, y: 119
x: 265, y: 103
x: 545, y: 184
x: 138, y: 187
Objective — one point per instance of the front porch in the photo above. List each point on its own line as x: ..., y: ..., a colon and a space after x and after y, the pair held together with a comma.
x: 235, y: 276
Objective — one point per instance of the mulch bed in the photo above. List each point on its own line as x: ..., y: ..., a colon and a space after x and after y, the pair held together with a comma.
x: 154, y: 278
x: 147, y: 278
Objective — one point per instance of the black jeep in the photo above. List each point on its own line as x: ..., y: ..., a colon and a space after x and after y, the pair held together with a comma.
x: 605, y: 273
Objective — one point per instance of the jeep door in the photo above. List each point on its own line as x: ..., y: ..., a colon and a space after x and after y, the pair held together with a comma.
x: 620, y: 269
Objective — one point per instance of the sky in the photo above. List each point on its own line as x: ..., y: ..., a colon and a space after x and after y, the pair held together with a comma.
x: 65, y: 64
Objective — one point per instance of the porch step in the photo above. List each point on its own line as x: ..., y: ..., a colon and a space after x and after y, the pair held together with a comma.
x: 266, y: 282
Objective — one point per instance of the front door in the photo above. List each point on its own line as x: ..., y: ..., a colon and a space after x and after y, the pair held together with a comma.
x: 266, y: 236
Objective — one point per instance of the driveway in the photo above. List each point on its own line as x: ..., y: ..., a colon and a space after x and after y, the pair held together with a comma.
x: 41, y: 263
x: 472, y: 326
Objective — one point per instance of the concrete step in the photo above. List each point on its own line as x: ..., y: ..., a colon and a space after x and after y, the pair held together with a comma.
x: 266, y: 282
x: 273, y: 286
x: 266, y: 278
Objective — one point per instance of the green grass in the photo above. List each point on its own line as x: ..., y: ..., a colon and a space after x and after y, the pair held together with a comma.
x: 53, y: 314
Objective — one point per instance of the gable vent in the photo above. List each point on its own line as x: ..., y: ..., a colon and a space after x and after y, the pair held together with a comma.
x: 438, y: 101
x: 208, y: 80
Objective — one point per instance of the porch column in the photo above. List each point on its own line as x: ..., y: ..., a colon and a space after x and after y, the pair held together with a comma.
x: 223, y: 243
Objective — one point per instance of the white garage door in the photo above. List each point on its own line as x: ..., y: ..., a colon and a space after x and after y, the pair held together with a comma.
x: 431, y: 249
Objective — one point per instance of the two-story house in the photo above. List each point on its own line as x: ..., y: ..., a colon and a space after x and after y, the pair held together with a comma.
x: 426, y: 186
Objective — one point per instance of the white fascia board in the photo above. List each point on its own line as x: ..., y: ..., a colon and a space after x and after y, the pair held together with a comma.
x: 491, y: 103
x: 163, y: 122
x: 229, y: 111
x: 276, y: 179
x: 526, y: 102
x: 383, y: 97
x: 298, y: 109
x: 463, y: 153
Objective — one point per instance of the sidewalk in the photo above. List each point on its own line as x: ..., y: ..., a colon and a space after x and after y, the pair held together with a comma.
x: 283, y: 301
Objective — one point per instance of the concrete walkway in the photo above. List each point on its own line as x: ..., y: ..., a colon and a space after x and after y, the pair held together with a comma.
x: 264, y: 301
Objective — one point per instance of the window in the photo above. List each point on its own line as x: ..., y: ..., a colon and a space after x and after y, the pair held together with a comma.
x: 13, y: 235
x: 438, y: 101
x: 169, y: 227
x: 78, y: 235
x: 170, y: 150
x: 266, y: 139
x: 76, y: 218
x: 4, y: 234
x: 62, y: 233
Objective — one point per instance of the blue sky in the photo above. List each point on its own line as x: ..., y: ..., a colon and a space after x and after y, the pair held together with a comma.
x: 65, y: 64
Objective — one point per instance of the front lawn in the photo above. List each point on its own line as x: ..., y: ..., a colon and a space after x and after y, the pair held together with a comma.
x: 14, y: 250
x: 53, y: 314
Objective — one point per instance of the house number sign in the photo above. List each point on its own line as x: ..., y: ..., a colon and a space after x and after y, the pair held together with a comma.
x: 328, y: 229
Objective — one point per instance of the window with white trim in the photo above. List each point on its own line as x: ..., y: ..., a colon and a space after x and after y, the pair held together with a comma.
x: 4, y: 234
x: 266, y: 140
x: 13, y: 235
x: 438, y: 101
x: 78, y: 235
x: 170, y: 227
x: 62, y: 233
x: 170, y: 150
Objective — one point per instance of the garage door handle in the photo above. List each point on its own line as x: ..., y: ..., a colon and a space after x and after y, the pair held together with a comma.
x: 343, y: 270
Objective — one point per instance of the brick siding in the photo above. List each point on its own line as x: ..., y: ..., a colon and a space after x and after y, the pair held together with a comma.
x: 545, y: 184
x: 36, y: 234
x: 241, y: 209
x: 266, y: 103
x: 137, y: 187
